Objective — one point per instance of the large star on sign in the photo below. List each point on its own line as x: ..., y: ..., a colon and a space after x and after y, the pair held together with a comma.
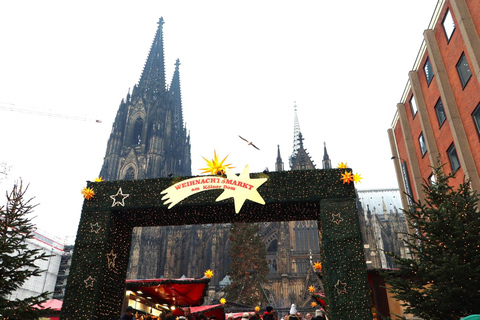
x: 240, y: 194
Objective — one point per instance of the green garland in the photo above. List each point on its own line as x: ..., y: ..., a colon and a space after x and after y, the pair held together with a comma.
x: 95, y: 288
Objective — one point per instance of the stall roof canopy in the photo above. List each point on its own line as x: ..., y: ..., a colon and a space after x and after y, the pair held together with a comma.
x: 54, y: 304
x: 320, y: 297
x: 178, y: 292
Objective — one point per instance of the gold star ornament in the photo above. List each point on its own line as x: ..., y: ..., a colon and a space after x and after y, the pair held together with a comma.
x: 347, y: 177
x: 342, y: 165
x: 208, y: 274
x: 317, y: 266
x: 223, y: 301
x: 357, y: 177
x: 311, y: 289
x: 88, y: 193
x: 314, y: 304
x: 216, y: 167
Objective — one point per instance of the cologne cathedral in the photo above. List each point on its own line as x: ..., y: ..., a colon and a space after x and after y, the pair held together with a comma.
x: 149, y: 140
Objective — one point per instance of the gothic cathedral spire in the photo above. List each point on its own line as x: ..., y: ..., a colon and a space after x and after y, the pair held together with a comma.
x: 279, y: 163
x: 149, y: 138
x: 326, y: 163
x: 300, y: 159
x: 153, y: 75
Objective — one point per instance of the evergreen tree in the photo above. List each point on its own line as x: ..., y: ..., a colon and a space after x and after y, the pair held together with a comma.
x: 17, y: 261
x: 249, y: 267
x: 442, y: 279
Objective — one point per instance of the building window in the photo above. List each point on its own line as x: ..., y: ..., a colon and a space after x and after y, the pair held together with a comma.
x: 448, y: 25
x: 428, y: 71
x: 453, y: 157
x: 440, y: 112
x: 476, y: 118
x: 413, y: 106
x: 130, y: 174
x: 423, y: 146
x: 137, y: 132
x: 463, y: 70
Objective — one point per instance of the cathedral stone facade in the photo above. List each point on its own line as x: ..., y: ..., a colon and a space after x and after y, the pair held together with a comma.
x: 149, y: 140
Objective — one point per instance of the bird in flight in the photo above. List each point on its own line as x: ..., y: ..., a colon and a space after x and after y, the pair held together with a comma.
x: 249, y: 143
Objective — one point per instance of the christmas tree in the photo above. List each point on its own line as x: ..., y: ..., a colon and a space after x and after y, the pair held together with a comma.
x: 441, y: 280
x: 17, y: 261
x: 248, y: 267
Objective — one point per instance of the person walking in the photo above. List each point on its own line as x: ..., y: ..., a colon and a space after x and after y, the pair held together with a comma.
x: 293, y: 313
x: 128, y: 315
x: 268, y: 315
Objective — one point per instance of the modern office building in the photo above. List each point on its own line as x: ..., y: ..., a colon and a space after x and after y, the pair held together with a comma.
x: 438, y: 117
x: 34, y: 286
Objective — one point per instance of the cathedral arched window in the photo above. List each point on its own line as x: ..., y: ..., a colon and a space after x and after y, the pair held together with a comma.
x: 130, y: 174
x: 273, y: 246
x: 149, y: 136
x: 137, y: 132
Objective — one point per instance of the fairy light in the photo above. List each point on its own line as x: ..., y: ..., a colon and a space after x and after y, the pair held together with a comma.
x: 289, y: 195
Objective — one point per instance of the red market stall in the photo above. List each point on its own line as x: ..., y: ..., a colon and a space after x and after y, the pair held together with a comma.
x: 54, y: 305
x: 173, y: 292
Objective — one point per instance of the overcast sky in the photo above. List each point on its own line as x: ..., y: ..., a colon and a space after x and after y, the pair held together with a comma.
x: 243, y: 66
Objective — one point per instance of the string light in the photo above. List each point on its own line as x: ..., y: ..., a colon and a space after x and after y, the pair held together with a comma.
x: 289, y: 196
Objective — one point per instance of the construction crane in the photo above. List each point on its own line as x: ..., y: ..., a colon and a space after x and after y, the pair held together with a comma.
x: 45, y: 113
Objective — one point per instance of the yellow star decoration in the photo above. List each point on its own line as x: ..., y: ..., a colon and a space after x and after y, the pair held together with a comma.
x: 216, y: 167
x: 342, y: 165
x: 223, y: 301
x: 347, y: 177
x: 314, y: 304
x: 99, y: 179
x: 208, y: 274
x: 317, y: 266
x: 311, y: 289
x: 88, y: 193
x: 357, y: 177
x: 257, y: 308
x: 239, y: 196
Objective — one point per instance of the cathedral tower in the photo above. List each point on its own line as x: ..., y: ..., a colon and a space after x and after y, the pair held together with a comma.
x: 148, y: 138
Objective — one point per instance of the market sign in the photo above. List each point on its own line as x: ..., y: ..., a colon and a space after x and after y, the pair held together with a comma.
x: 240, y: 188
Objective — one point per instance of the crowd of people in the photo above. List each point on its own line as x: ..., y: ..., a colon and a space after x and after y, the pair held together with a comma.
x: 270, y: 314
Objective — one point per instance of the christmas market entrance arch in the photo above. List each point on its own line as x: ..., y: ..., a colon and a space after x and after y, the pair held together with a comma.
x: 95, y: 287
